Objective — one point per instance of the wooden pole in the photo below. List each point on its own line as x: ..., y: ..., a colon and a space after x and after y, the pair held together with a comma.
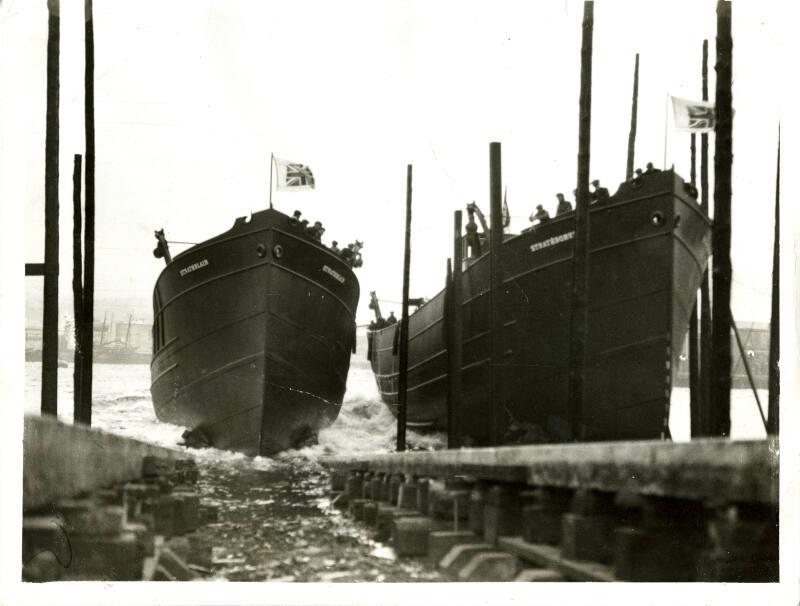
x: 402, y: 381
x: 705, y: 293
x: 51, y: 236
x: 694, y: 352
x: 496, y: 294
x: 580, y: 262
x: 773, y: 424
x: 77, y: 286
x: 632, y: 133
x: 88, y: 268
x: 723, y: 161
x: 455, y: 339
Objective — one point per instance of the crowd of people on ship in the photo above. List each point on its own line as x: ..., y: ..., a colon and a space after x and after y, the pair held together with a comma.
x: 597, y: 194
x: 350, y: 254
x: 382, y: 322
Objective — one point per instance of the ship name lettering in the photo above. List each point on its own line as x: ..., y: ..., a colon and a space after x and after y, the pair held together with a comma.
x: 552, y: 241
x: 194, y: 266
x: 334, y: 274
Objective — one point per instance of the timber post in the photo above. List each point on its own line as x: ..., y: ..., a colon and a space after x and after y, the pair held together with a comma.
x: 496, y: 290
x: 402, y: 381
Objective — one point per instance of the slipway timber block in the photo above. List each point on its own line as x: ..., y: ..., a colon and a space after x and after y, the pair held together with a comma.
x: 410, y: 535
x: 385, y: 518
x: 366, y: 485
x: 394, y: 487
x: 353, y: 486
x: 407, y: 495
x: 440, y: 542
x: 370, y: 513
x: 105, y: 558
x: 338, y: 479
x: 385, y: 489
x: 61, y: 460
x: 449, y: 505
x: 502, y: 514
x: 376, y: 487
x: 93, y: 520
x: 490, y: 566
x: 175, y: 567
x: 356, y: 508
x: 587, y: 537
x: 477, y: 500
x: 423, y: 486
x: 541, y: 520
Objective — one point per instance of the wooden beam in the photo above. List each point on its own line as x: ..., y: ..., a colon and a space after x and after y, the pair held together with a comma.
x: 496, y: 294
x: 723, y: 162
x: 402, y: 381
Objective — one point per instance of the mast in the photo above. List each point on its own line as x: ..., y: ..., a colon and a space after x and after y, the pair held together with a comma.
x: 632, y: 133
x: 705, y: 294
x: 77, y: 288
x: 51, y: 236
x: 773, y: 425
x: 89, y: 203
x: 723, y: 160
x: 402, y: 380
x: 580, y: 264
x: 496, y: 291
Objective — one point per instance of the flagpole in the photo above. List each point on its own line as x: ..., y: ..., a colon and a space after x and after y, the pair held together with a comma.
x: 271, y: 163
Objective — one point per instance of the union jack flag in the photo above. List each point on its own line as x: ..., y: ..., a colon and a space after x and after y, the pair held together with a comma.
x: 693, y: 116
x: 299, y: 175
x: 293, y: 176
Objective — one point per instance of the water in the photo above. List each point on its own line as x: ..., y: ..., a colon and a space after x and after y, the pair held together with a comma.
x: 275, y: 519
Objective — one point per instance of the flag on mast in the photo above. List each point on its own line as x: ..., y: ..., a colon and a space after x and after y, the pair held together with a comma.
x: 693, y: 116
x: 293, y: 176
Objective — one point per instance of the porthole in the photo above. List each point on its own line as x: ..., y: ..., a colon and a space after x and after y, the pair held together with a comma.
x: 657, y: 219
x: 277, y: 251
x: 261, y: 251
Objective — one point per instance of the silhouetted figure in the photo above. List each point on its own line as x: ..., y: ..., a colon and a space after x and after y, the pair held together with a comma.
x: 304, y: 225
x: 473, y: 240
x: 541, y: 215
x: 600, y: 194
x: 347, y: 255
x: 391, y: 319
x: 564, y: 206
x: 296, y: 214
x: 316, y: 231
x: 335, y: 247
x: 651, y: 168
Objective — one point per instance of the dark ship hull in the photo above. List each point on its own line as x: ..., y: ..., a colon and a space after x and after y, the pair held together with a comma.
x: 252, y: 336
x: 649, y: 245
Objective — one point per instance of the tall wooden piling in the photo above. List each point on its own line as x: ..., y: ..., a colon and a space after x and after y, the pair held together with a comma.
x: 705, y: 294
x: 455, y: 339
x: 87, y: 345
x: 402, y: 380
x: 694, y: 352
x: 51, y: 235
x: 580, y: 262
x: 77, y: 286
x: 774, y: 324
x: 720, y: 410
x: 496, y: 292
x: 634, y: 112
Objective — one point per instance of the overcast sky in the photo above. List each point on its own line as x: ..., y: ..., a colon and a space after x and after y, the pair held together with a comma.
x: 192, y: 97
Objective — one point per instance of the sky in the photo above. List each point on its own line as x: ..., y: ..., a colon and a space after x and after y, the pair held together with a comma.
x: 192, y: 97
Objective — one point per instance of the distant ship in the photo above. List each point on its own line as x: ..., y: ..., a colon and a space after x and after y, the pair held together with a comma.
x: 252, y: 336
x: 649, y: 246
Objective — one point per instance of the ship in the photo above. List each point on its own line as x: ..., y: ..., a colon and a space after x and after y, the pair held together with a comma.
x: 649, y: 245
x: 252, y: 335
